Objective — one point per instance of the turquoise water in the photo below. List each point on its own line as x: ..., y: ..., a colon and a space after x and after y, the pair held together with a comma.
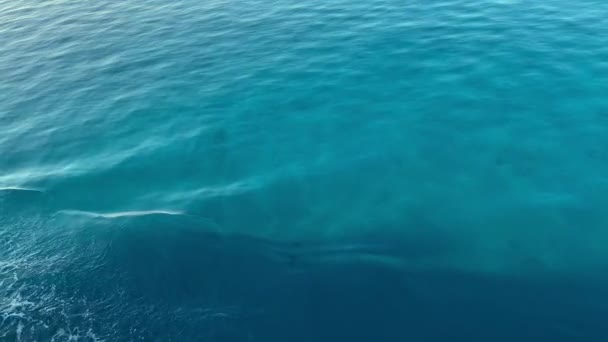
x: 303, y: 171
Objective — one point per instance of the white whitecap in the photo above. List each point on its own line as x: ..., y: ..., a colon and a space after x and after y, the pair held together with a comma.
x: 17, y: 188
x: 121, y: 213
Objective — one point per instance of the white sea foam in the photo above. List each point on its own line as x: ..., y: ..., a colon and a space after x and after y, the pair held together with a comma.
x: 17, y: 188
x: 121, y: 213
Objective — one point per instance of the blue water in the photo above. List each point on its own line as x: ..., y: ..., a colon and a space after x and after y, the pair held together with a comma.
x: 340, y: 170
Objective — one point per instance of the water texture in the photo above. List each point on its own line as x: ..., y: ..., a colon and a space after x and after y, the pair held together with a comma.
x: 337, y: 170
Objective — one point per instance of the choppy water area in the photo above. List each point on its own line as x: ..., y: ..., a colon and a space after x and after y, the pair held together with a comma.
x: 270, y: 170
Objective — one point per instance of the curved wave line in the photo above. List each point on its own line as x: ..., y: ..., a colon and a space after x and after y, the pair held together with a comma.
x: 123, y: 213
x: 16, y: 188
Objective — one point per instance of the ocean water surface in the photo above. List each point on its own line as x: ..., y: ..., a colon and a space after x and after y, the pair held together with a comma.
x: 340, y: 170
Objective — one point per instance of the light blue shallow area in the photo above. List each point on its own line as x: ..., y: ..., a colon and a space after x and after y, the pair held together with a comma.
x: 262, y: 152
